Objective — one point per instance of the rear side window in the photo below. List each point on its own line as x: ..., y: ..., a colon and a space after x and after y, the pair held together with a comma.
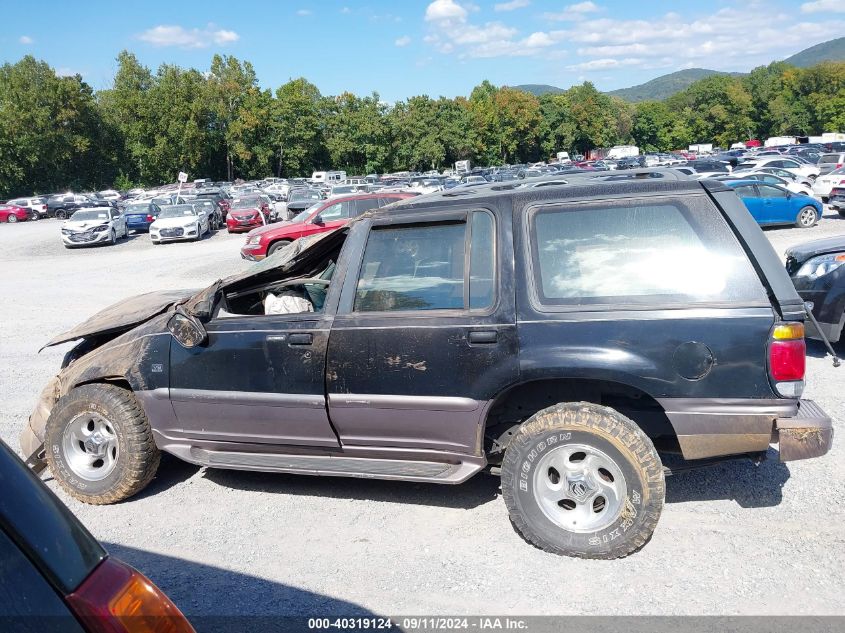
x: 638, y: 252
x: 767, y: 191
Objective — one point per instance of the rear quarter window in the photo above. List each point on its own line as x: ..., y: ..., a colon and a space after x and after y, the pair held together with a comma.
x: 656, y: 251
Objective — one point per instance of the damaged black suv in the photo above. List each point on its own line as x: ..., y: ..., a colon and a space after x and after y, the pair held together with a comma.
x: 557, y: 335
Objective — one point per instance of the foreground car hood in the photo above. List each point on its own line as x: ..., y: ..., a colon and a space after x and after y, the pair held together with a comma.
x: 124, y: 315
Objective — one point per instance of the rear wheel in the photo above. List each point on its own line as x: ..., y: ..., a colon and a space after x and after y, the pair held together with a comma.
x: 99, y: 444
x: 582, y: 480
x: 807, y: 217
x: 34, y: 216
x: 275, y: 246
x: 61, y: 214
x: 11, y: 218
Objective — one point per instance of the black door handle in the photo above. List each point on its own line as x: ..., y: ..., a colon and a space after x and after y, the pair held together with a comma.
x: 482, y: 337
x: 300, y: 339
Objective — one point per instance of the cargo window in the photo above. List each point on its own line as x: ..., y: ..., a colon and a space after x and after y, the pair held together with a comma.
x: 638, y: 252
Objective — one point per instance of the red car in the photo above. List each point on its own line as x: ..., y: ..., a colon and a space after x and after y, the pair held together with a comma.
x: 246, y: 213
x: 319, y: 218
x: 11, y: 213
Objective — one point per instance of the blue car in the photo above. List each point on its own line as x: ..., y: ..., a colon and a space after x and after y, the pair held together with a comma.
x: 139, y: 215
x: 771, y: 204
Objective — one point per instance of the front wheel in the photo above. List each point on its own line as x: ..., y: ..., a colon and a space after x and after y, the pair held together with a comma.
x: 582, y: 480
x: 99, y: 444
x: 11, y: 218
x: 61, y: 214
x: 807, y: 217
x: 276, y: 246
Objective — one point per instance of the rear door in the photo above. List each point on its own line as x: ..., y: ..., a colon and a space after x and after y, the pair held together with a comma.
x: 424, y: 337
x: 749, y: 196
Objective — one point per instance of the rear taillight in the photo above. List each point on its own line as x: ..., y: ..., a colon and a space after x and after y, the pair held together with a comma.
x: 116, y: 598
x: 150, y: 218
x: 787, y: 359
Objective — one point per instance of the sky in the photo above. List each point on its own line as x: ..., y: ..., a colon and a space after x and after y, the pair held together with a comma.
x: 402, y: 48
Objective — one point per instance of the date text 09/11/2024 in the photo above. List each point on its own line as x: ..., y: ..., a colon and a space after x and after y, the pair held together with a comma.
x: 419, y: 623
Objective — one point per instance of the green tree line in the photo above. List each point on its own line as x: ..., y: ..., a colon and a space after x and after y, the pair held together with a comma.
x: 57, y: 133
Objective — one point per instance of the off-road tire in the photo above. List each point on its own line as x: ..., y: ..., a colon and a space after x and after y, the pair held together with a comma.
x: 617, y: 437
x: 275, y: 246
x: 138, y: 456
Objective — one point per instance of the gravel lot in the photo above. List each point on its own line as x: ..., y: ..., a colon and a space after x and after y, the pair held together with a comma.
x: 734, y: 539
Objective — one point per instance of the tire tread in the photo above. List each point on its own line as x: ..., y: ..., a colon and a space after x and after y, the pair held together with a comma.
x: 144, y: 456
x: 591, y: 418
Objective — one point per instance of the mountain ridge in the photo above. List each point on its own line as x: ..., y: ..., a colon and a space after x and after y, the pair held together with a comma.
x: 665, y: 86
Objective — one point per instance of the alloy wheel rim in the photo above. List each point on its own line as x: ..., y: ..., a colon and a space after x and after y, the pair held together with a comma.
x: 90, y: 446
x: 579, y: 488
x: 808, y: 216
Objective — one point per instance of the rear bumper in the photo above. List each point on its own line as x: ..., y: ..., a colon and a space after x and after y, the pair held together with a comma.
x: 721, y: 427
x: 808, y: 434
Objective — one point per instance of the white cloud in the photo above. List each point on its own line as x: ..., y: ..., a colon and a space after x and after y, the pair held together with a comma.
x: 668, y: 41
x: 225, y: 37
x: 512, y: 5
x: 165, y: 35
x: 709, y: 41
x: 606, y: 64
x: 25, y: 39
x: 402, y: 41
x: 346, y: 10
x: 821, y: 6
x: 574, y: 12
x: 445, y: 10
x: 303, y: 12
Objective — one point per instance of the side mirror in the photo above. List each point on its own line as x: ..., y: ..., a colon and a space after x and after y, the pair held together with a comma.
x: 187, y: 330
x: 318, y: 221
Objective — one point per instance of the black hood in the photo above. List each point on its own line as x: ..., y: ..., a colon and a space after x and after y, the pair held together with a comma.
x: 803, y: 252
x: 124, y: 315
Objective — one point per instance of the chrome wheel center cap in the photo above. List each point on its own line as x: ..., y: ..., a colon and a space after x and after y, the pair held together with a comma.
x: 580, y: 486
x: 95, y: 443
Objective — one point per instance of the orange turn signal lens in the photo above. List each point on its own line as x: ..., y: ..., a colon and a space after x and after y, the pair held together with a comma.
x: 116, y: 598
x: 788, y: 331
x: 141, y: 607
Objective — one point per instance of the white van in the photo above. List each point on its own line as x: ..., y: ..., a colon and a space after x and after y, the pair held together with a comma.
x: 623, y: 151
x: 328, y: 177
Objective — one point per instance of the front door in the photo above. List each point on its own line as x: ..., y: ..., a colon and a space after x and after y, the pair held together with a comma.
x: 257, y: 379
x: 425, y: 336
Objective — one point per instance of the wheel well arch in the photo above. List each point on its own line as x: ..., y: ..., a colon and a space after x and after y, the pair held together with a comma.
x: 117, y: 381
x: 520, y: 401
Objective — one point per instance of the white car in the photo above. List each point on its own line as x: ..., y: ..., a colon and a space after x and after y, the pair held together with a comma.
x: 823, y: 184
x: 179, y: 222
x: 96, y: 225
x: 771, y: 179
x: 110, y: 195
x: 37, y: 205
x: 800, y: 169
